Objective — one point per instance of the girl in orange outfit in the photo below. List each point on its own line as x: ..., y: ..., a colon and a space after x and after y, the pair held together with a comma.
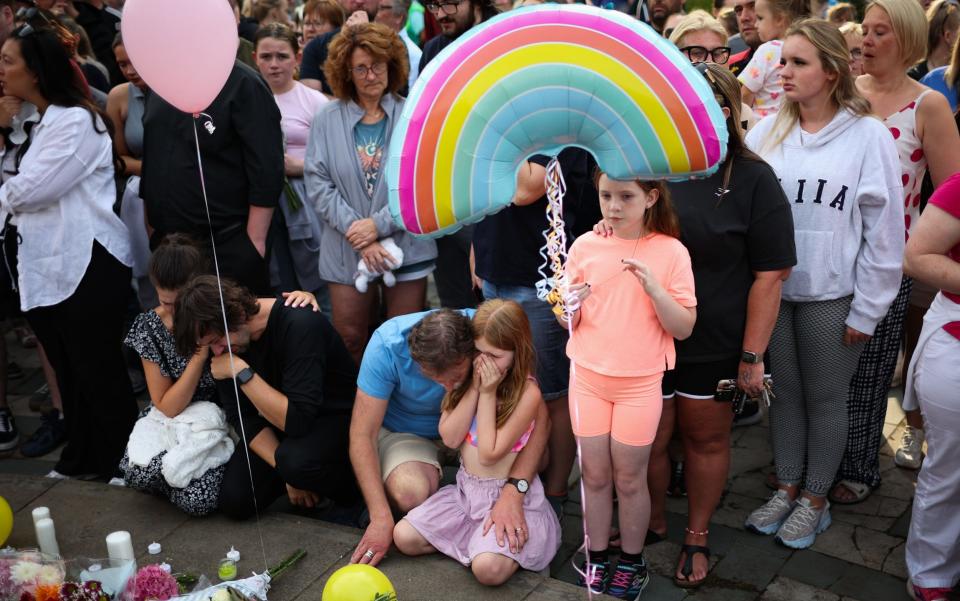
x: 636, y: 295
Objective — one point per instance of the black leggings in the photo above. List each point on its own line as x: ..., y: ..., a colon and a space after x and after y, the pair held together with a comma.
x: 318, y: 462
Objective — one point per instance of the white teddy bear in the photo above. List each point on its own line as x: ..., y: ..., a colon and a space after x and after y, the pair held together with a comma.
x: 366, y: 275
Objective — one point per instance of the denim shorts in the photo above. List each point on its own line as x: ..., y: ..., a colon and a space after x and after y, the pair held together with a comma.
x: 549, y: 339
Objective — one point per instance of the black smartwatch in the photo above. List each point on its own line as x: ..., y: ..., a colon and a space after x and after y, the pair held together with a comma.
x: 246, y: 374
x: 751, y: 357
x: 522, y: 485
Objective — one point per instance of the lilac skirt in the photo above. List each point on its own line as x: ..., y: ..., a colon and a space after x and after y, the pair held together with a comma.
x: 452, y: 521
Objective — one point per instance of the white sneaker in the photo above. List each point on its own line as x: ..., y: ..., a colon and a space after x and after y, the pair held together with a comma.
x: 117, y: 482
x: 768, y: 518
x: 54, y: 474
x: 910, y: 453
x: 804, y: 524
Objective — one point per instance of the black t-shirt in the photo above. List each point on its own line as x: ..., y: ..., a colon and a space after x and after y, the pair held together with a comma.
x: 314, y: 55
x: 751, y: 229
x: 242, y: 150
x: 432, y: 48
x: 302, y: 356
x: 507, y: 244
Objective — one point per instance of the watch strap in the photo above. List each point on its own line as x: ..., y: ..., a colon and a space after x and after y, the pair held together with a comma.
x: 520, y: 484
x: 245, y: 375
x: 751, y: 357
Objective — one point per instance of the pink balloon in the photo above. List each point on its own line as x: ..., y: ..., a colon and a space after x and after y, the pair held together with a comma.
x: 183, y: 49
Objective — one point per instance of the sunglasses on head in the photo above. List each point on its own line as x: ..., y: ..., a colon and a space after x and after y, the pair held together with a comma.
x: 704, y: 69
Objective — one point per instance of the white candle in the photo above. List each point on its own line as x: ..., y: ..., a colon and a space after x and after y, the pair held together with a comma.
x: 40, y: 513
x: 120, y: 546
x: 47, y: 537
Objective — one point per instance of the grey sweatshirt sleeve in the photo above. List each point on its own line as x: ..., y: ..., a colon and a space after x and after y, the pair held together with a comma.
x: 879, y: 265
x: 322, y: 192
x: 386, y: 226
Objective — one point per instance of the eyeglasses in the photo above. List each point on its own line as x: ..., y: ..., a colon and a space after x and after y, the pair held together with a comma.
x: 698, y: 54
x: 447, y: 6
x: 376, y: 68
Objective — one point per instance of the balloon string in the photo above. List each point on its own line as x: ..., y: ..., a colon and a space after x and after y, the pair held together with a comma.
x: 226, y: 330
x: 553, y: 288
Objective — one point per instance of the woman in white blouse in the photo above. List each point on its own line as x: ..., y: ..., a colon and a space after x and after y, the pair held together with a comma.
x: 74, y: 252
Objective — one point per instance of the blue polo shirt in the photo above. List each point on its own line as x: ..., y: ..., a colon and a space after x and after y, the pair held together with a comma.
x: 389, y: 372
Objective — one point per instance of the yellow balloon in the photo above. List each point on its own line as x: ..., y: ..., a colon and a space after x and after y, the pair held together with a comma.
x: 358, y: 582
x: 6, y: 520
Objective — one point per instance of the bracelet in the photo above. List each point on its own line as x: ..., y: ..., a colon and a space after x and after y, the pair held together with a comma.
x: 691, y: 532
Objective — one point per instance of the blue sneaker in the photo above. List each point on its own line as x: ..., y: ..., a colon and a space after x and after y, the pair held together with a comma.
x: 50, y: 435
x: 598, y: 576
x: 628, y: 580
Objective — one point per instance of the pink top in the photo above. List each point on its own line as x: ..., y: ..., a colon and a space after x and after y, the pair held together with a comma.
x: 297, y: 108
x: 619, y: 333
x: 947, y: 198
x: 903, y: 126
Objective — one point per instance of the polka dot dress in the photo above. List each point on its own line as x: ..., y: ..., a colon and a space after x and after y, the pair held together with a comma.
x: 913, y: 163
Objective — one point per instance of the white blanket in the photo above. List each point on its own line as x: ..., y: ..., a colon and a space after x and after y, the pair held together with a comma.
x: 196, y: 441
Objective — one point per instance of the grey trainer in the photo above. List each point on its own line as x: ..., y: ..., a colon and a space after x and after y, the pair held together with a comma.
x: 768, y: 518
x: 804, y: 524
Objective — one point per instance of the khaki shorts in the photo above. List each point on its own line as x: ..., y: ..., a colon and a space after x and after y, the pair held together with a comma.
x: 395, y: 448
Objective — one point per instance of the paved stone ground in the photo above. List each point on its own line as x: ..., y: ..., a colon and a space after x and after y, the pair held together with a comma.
x: 860, y: 557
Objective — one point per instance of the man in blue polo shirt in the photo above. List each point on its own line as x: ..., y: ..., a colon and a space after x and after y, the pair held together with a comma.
x: 407, y: 368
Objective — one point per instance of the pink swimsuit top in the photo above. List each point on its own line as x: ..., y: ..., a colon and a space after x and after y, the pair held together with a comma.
x: 473, y: 439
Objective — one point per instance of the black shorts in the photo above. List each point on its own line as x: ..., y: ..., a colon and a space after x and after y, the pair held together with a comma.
x: 699, y: 380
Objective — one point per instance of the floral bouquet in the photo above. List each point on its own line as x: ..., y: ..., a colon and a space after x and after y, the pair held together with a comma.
x: 253, y: 588
x: 30, y: 576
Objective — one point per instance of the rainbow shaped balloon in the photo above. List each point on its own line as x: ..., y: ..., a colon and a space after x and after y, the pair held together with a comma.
x: 536, y: 80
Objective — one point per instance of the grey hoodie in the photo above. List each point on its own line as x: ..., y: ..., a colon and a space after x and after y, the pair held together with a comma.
x: 336, y: 190
x: 843, y: 184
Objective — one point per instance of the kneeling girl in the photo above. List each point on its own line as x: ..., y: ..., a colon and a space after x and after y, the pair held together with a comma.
x: 490, y: 417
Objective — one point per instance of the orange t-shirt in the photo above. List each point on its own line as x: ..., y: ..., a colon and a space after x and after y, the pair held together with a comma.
x: 619, y: 333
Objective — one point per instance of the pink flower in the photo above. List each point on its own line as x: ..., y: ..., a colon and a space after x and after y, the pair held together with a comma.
x: 152, y: 583
x: 6, y: 584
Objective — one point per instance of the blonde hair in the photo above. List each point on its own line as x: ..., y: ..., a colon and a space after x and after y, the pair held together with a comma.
x: 698, y: 20
x: 942, y: 16
x: 504, y: 325
x: 953, y: 69
x: 841, y: 12
x: 851, y: 28
x: 835, y: 58
x: 791, y: 10
x: 909, y: 26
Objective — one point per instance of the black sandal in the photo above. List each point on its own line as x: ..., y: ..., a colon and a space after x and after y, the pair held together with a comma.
x: 687, y: 569
x: 652, y: 538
